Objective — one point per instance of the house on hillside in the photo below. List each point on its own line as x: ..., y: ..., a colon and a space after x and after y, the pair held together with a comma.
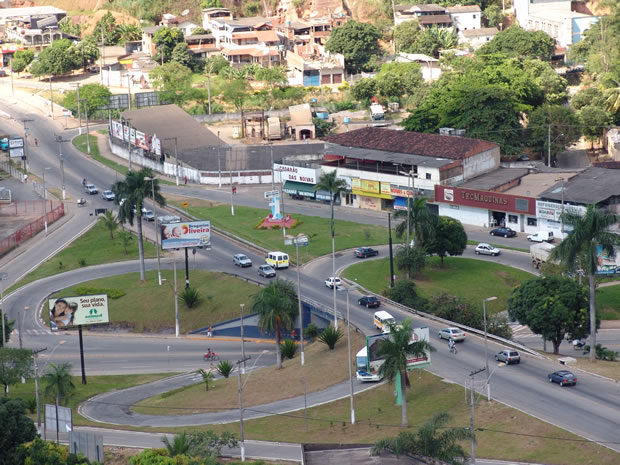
x: 465, y: 17
x: 311, y: 65
x: 35, y: 26
x: 427, y: 15
x: 185, y: 25
x: 476, y: 38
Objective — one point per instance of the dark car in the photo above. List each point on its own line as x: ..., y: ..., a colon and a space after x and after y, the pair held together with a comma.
x: 502, y: 231
x: 369, y: 301
x: 2, y: 73
x: 267, y: 271
x: 365, y: 252
x: 563, y: 378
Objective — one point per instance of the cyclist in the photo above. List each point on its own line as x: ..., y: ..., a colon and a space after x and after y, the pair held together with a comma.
x: 36, y: 142
x: 84, y: 182
x: 451, y: 345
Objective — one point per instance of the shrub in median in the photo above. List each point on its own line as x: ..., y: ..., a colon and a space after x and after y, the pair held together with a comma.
x: 288, y: 348
x: 191, y: 297
x: 225, y: 368
x: 330, y: 336
x: 112, y: 293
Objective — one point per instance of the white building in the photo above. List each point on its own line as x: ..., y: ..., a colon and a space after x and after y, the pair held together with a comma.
x: 476, y: 38
x: 465, y: 17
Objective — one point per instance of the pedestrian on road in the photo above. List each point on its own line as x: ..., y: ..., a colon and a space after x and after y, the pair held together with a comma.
x: 36, y: 142
x: 234, y: 190
x: 25, y: 177
x: 185, y: 179
x: 209, y: 331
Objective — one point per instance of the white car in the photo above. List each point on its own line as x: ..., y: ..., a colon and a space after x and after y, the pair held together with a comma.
x: 487, y: 249
x: 166, y: 219
x: 331, y: 281
x: 90, y: 189
x: 108, y: 195
x: 452, y: 333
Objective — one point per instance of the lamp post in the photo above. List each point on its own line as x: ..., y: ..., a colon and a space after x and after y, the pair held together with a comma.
x: 78, y: 100
x: 562, y: 212
x: 486, y: 341
x: 152, y: 179
x: 45, y: 199
x: 232, y: 203
x: 60, y: 140
x: 3, y: 277
x: 349, y: 359
x: 271, y: 158
x: 549, y: 142
x: 128, y: 121
x: 303, y: 240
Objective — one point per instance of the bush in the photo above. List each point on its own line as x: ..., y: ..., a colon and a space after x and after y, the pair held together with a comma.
x: 31, y: 404
x: 288, y: 348
x: 404, y: 293
x: 330, y: 336
x: 311, y: 331
x: 191, y: 297
x: 602, y: 353
x: 225, y: 368
x: 112, y: 293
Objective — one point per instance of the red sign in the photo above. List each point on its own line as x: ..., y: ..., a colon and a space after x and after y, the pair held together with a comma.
x: 485, y: 199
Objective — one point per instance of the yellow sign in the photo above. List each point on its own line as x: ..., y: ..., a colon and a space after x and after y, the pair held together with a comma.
x: 370, y: 186
x: 355, y: 184
x: 385, y: 188
x: 185, y: 204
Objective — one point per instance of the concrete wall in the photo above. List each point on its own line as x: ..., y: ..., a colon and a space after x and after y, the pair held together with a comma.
x: 481, y: 163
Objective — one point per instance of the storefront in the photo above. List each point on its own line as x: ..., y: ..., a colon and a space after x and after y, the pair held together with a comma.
x: 549, y: 216
x: 487, y: 209
x: 299, y: 182
x: 372, y: 195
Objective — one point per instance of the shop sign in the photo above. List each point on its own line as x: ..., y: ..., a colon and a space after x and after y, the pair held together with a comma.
x: 485, y: 199
x: 296, y: 174
x: 396, y: 192
x: 370, y: 186
x: 356, y: 184
x: 552, y: 210
x: 385, y: 188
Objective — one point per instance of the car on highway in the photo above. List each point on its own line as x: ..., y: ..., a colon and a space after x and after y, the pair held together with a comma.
x: 331, y: 282
x: 365, y: 252
x: 487, y: 249
x: 2, y: 73
x: 508, y: 357
x: 452, y: 333
x: 369, y: 301
x: 147, y: 214
x: 108, y: 195
x: 267, y: 271
x: 166, y: 219
x: 90, y: 189
x: 563, y: 378
x: 503, y: 231
x: 241, y: 260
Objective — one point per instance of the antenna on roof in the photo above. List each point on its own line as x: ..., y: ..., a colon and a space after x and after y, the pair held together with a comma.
x: 185, y: 13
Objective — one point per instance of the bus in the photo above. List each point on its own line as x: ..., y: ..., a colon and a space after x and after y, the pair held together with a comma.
x: 361, y: 369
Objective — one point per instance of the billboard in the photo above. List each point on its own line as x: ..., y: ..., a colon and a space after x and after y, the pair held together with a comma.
x: 66, y: 312
x: 180, y: 235
x: 375, y: 361
x: 607, y: 264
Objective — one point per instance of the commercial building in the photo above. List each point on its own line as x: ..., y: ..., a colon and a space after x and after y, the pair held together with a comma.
x: 35, y: 26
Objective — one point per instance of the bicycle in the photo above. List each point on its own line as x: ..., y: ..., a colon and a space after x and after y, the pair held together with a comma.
x: 213, y: 357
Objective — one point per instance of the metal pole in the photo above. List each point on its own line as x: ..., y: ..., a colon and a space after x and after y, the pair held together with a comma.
x: 241, y: 442
x: 232, y: 205
x: 176, y: 156
x: 301, y: 317
x: 129, y: 90
x: 391, y: 254
x: 408, y: 207
x: 219, y: 169
x: 12, y: 89
x: 3, y: 276
x: 303, y: 379
x: 87, y: 131
x: 24, y: 121
x: 156, y: 233
x: 271, y: 152
x: 128, y: 121
x: 51, y: 96
x: 282, y: 204
x: 44, y: 202
x: 186, y: 269
x: 82, y: 354
x: 242, y: 338
x: 36, y: 387
x: 486, y: 345
x: 471, y: 424
x: 549, y: 145
x: 349, y: 359
x: 21, y: 326
x: 62, y: 165
x: 79, y: 107
x: 176, y: 300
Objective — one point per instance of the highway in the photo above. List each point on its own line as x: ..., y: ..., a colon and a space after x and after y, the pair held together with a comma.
x: 594, y: 401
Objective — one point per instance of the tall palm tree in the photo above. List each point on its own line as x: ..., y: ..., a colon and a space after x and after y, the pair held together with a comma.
x: 276, y: 305
x: 58, y: 382
x: 395, y: 350
x: 580, y: 248
x: 130, y: 195
x: 330, y: 183
x: 425, y: 442
x: 420, y: 220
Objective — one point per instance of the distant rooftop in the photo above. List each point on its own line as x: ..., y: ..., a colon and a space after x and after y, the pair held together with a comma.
x: 593, y: 185
x: 30, y: 11
x: 483, y: 31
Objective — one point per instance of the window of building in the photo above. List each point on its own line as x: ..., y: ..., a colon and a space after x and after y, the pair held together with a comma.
x: 474, y: 16
x: 521, y: 205
x: 428, y: 175
x: 531, y: 221
x: 513, y: 219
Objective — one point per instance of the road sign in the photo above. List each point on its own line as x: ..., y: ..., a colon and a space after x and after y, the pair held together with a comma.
x: 185, y: 204
x: 271, y: 194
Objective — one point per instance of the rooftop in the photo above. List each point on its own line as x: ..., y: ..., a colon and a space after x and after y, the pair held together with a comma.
x: 483, y: 31
x: 428, y: 7
x: 397, y: 158
x: 30, y: 11
x: 413, y: 143
x: 464, y: 9
x: 593, y: 185
x: 434, y: 19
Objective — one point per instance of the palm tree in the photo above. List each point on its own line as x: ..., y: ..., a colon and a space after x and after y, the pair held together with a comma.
x: 421, y: 220
x: 130, y: 195
x: 590, y: 235
x: 395, y: 350
x: 426, y: 443
x: 110, y: 221
x: 180, y: 444
x: 59, y: 382
x: 330, y: 183
x: 276, y: 305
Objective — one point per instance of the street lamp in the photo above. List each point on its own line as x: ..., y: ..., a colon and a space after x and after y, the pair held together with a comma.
x: 562, y: 213
x: 409, y: 175
x: 549, y: 142
x: 501, y: 364
x: 349, y: 358
x: 3, y: 277
x: 486, y: 341
x: 300, y: 239
x: 152, y: 179
x: 45, y: 199
x: 240, y: 391
x: 60, y: 140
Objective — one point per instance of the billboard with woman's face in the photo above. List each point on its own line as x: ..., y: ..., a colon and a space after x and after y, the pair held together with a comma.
x: 66, y: 312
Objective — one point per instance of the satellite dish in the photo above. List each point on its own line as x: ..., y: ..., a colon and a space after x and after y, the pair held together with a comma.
x: 185, y: 13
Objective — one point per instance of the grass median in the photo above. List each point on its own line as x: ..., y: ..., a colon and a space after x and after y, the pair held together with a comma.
x: 608, y: 302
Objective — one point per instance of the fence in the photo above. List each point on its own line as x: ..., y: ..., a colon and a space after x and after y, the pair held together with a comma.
x: 32, y: 228
x: 25, y: 208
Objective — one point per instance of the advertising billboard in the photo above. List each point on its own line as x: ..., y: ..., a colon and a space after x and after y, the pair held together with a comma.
x: 375, y: 361
x: 180, y: 235
x: 66, y: 312
x: 607, y: 264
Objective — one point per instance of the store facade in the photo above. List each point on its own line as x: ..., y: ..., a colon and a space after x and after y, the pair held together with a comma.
x: 299, y: 182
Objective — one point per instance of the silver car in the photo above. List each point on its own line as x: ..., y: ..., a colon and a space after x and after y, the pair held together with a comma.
x: 108, y: 195
x: 487, y: 249
x: 452, y: 333
x: 241, y: 260
x: 267, y: 271
x: 508, y: 357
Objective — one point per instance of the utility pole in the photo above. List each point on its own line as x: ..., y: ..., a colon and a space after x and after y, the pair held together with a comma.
x: 128, y: 123
x: 129, y: 89
x: 24, y: 121
x: 3, y: 277
x: 271, y: 153
x: 21, y: 326
x: 391, y: 254
x: 472, y: 418
x: 60, y: 140
x: 232, y: 205
x: 301, y: 316
x: 239, y: 390
x: 87, y: 131
x: 241, y: 307
x: 176, y: 300
x: 102, y: 58
x: 176, y: 157
x: 36, y: 386
x: 51, y: 96
x: 549, y: 145
x: 79, y: 107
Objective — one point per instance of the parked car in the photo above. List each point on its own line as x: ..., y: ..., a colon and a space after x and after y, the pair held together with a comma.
x: 503, y: 231
x: 452, y: 333
x: 4, y: 143
x: 365, y: 252
x: 563, y: 378
x: 267, y: 271
x: 242, y: 260
x: 90, y: 189
x: 331, y: 281
x: 487, y: 249
x: 369, y: 301
x: 108, y: 195
x: 508, y: 357
x: 166, y: 219
x: 2, y: 73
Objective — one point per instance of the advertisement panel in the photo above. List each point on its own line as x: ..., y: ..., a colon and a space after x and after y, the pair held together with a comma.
x: 607, y: 264
x: 375, y: 361
x: 180, y: 235
x: 296, y: 173
x: 66, y: 312
x: 496, y: 201
x: 370, y: 186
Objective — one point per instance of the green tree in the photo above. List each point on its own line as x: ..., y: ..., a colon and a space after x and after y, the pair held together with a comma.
x: 165, y: 40
x: 179, y: 445
x: 395, y: 351
x: 410, y: 75
x: 565, y: 129
x: 251, y: 8
x: 58, y: 383
x: 21, y: 60
x: 406, y: 35
x: 594, y: 120
x: 552, y: 306
x: 94, y: 96
x: 273, y: 77
x: 8, y: 328
x: 427, y: 441
x: 276, y: 305
x: 410, y: 259
x: 67, y: 26
x: 182, y: 55
x: 14, y: 364
x: 88, y: 51
x: 173, y: 81
x: 59, y: 58
x: 207, y: 376
x: 358, y: 42
x: 323, y: 127
x: 449, y: 238
x: 215, y: 64
x: 494, y: 15
x: 237, y: 92
x: 110, y: 222
x: 107, y: 28
x: 517, y: 42
x: 404, y: 292
x: 45, y: 452
x: 420, y: 222
x: 588, y: 96
x: 553, y: 86
x: 364, y: 90
x: 17, y: 428
x: 156, y: 457
x: 134, y: 189
x: 126, y: 237
x: 590, y: 233
x: 204, y: 4
x: 129, y: 32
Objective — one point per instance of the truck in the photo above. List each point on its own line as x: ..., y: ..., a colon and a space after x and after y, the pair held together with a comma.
x: 273, y: 128
x: 376, y: 112
x: 362, y: 373
x: 539, y: 253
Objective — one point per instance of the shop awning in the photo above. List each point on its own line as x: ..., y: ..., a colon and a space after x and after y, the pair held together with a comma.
x: 400, y: 203
x: 323, y: 195
x: 298, y: 188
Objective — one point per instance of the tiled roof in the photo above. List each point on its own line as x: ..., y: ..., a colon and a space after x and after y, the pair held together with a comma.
x: 414, y: 143
x: 483, y: 31
x: 464, y: 9
x: 430, y: 7
x: 435, y: 19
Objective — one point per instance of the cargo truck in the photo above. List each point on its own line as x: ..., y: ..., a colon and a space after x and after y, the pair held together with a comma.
x: 540, y: 253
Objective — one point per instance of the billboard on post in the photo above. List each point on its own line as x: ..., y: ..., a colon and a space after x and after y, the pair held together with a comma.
x: 181, y: 235
x: 373, y: 342
x: 66, y: 312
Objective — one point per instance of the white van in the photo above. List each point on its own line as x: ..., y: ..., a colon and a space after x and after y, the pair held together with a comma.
x: 277, y: 260
x: 383, y: 320
x: 541, y: 236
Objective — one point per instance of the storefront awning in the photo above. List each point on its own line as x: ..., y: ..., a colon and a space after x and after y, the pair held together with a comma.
x: 323, y: 195
x: 298, y: 188
x: 400, y: 203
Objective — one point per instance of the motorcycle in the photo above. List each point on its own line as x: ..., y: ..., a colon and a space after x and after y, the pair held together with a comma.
x: 81, y: 203
x: 210, y: 357
x: 578, y: 344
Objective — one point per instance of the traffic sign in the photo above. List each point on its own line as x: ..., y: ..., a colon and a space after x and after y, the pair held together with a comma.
x: 185, y: 204
x: 270, y: 194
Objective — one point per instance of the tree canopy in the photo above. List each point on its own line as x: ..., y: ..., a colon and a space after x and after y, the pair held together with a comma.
x: 17, y: 428
x: 517, y: 42
x: 93, y: 95
x: 174, y: 81
x: 46, y: 452
x: 107, y: 28
x: 565, y: 129
x: 357, y: 41
x: 449, y: 238
x: 165, y: 40
x: 14, y: 363
x: 59, y: 58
